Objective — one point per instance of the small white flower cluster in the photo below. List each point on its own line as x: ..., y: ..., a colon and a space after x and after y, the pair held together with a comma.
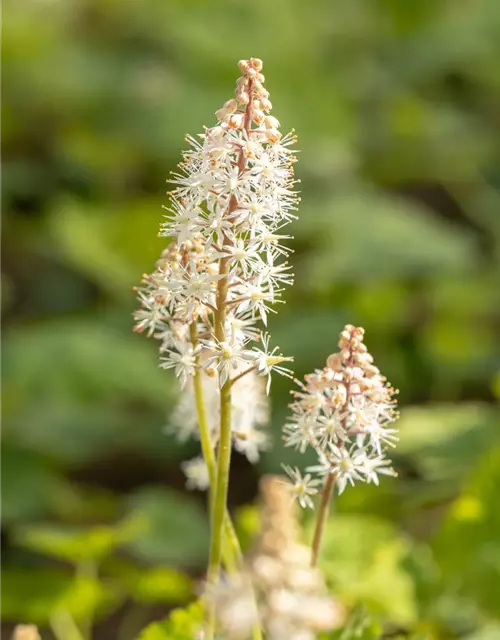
x: 291, y: 596
x: 343, y: 412
x: 226, y: 265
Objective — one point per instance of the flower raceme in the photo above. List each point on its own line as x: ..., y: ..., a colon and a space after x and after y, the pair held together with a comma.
x: 225, y: 267
x: 344, y: 413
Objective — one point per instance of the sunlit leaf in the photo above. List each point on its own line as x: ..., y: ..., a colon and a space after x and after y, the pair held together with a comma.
x: 360, y: 625
x: 467, y: 547
x: 34, y: 595
x: 446, y: 440
x: 182, y: 624
x: 76, y: 545
x: 150, y: 584
x: 363, y: 558
x: 103, y: 385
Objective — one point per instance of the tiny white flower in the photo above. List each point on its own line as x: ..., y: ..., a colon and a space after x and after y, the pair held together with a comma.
x: 303, y: 487
x: 330, y: 429
x: 297, y: 432
x: 251, y: 443
x: 225, y: 356
x: 377, y: 436
x: 268, y: 361
x: 196, y: 473
x: 372, y: 467
x: 183, y: 361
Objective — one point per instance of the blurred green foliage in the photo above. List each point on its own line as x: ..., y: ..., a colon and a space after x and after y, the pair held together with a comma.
x: 396, y: 107
x: 182, y: 624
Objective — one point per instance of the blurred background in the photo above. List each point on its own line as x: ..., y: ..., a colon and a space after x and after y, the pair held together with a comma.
x: 396, y: 105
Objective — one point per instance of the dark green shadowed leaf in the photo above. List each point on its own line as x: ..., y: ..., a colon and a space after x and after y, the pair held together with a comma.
x: 176, y: 527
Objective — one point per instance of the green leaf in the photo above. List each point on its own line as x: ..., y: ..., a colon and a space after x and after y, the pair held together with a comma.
x: 366, y: 235
x: 163, y: 584
x: 182, y: 624
x: 360, y: 625
x: 489, y: 631
x: 104, y: 384
x: 150, y: 584
x: 466, y: 547
x: 176, y: 531
x: 33, y: 595
x: 30, y: 486
x: 364, y: 559
x: 94, y: 362
x: 247, y: 522
x: 103, y: 245
x: 447, y: 440
x: 78, y: 545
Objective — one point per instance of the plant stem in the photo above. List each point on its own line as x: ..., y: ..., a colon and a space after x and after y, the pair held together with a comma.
x: 231, y: 551
x: 232, y: 554
x: 243, y: 373
x: 322, y: 518
x: 87, y: 570
x: 221, y: 487
x: 330, y: 482
x: 63, y: 626
x: 224, y: 455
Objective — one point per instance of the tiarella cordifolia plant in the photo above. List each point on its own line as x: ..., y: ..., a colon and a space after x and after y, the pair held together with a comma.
x: 220, y: 277
x: 292, y: 598
x: 344, y: 413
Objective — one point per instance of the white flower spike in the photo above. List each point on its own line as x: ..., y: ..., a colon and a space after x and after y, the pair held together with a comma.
x: 233, y: 195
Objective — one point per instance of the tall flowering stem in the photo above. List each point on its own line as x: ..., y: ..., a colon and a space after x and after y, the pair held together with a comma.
x: 224, y: 457
x: 216, y: 283
x: 343, y: 412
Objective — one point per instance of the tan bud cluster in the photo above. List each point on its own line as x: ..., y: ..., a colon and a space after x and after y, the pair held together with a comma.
x: 356, y: 363
x: 252, y: 104
x: 26, y: 632
x: 353, y: 359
